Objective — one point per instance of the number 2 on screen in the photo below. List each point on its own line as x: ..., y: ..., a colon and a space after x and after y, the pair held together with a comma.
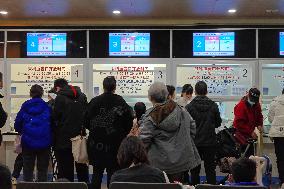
x: 198, y: 44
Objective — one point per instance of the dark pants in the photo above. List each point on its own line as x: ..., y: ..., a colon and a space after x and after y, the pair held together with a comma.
x: 18, y: 166
x: 178, y: 177
x: 65, y: 163
x: 42, y: 158
x: 98, y: 175
x: 279, y: 151
x: 207, y: 154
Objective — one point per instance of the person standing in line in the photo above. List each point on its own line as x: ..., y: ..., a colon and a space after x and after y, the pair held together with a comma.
x: 172, y: 92
x: 68, y: 114
x: 206, y: 114
x: 109, y: 119
x: 167, y: 132
x: 33, y: 123
x: 3, y: 118
x: 186, y: 95
x: 276, y: 118
x: 248, y: 116
x: 139, y: 110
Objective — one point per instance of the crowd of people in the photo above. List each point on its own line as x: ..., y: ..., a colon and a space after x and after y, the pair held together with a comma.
x: 161, y: 144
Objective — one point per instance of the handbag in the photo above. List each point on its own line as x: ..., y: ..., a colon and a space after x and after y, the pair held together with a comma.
x: 79, y: 149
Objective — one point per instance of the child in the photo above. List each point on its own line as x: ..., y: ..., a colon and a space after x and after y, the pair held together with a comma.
x: 139, y: 109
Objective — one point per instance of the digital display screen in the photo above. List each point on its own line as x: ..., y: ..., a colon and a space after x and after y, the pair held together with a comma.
x: 281, y: 43
x: 214, y: 44
x: 129, y: 44
x: 46, y: 44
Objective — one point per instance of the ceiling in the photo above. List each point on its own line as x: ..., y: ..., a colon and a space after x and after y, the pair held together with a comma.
x: 140, y: 12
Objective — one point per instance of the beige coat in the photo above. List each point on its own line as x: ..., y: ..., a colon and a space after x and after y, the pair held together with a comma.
x: 276, y: 117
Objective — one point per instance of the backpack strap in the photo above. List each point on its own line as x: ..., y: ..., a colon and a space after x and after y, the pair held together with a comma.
x: 74, y: 90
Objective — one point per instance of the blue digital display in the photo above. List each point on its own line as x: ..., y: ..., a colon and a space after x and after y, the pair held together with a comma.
x: 214, y: 44
x: 129, y: 44
x: 281, y: 43
x: 46, y: 44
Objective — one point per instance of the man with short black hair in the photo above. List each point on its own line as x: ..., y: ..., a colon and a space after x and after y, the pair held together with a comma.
x: 5, y: 177
x: 206, y: 114
x: 109, y: 120
x: 186, y: 95
x: 68, y: 112
x: 244, y: 172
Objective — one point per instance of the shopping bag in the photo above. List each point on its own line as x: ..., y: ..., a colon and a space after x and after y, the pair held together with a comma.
x: 79, y: 149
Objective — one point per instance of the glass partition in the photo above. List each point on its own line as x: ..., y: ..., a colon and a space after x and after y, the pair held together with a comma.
x: 222, y: 80
x: 272, y: 79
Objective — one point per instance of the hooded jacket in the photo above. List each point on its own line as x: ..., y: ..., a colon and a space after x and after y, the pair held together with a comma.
x: 276, y: 117
x: 206, y: 114
x: 68, y: 114
x: 167, y: 132
x: 247, y: 117
x: 33, y: 122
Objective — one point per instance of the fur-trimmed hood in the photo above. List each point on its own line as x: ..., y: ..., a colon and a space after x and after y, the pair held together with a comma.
x: 166, y: 116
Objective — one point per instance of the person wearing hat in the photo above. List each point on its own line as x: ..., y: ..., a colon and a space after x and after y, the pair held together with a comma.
x: 248, y: 116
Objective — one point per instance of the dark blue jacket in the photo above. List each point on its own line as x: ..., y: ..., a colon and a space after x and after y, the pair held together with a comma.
x: 33, y: 122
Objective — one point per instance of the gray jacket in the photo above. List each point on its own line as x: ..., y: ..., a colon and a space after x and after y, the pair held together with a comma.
x: 168, y: 131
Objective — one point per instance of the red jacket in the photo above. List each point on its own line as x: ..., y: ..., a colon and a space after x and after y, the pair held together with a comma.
x: 247, y: 117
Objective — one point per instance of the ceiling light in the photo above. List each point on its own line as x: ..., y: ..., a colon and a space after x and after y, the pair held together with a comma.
x: 116, y: 12
x: 3, y: 12
x: 81, y: 47
x: 232, y: 10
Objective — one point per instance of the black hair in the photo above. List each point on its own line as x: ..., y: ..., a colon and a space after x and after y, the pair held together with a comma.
x: 283, y: 91
x: 140, y: 109
x: 60, y: 83
x: 171, y: 90
x: 5, y: 177
x: 243, y: 170
x: 131, y: 150
x: 201, y: 88
x: 187, y: 89
x: 109, y: 84
x: 36, y: 91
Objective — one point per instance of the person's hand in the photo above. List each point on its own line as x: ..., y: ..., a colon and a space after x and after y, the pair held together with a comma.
x: 260, y: 129
x: 254, y: 135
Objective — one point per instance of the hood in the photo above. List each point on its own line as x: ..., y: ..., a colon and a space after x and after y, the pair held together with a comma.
x: 34, y: 106
x: 202, y: 103
x: 280, y: 99
x: 70, y: 91
x: 167, y: 116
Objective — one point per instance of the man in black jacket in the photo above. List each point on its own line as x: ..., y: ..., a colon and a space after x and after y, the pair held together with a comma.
x: 68, y: 113
x: 3, y: 118
x: 206, y: 114
x: 109, y: 120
